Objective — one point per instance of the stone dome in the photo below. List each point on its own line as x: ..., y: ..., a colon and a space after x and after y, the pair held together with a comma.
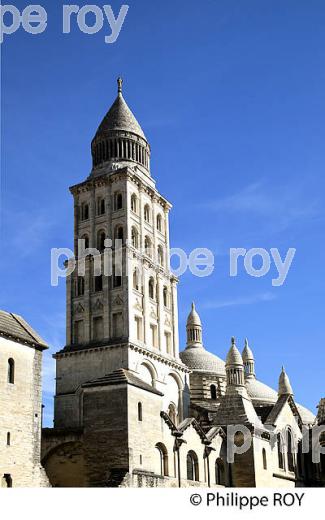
x: 247, y: 354
x: 306, y: 415
x: 259, y: 392
x: 200, y: 360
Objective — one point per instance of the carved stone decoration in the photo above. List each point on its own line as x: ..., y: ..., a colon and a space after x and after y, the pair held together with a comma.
x: 167, y: 321
x: 79, y: 309
x: 153, y: 314
x: 118, y: 301
x: 138, y: 305
x: 98, y: 305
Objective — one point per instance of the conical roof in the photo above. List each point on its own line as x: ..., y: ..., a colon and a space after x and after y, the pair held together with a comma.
x: 234, y: 356
x: 120, y: 117
x: 193, y: 318
x: 284, y: 384
x: 247, y: 354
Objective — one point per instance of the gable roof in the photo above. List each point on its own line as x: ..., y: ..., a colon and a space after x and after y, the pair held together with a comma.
x: 278, y: 407
x: 15, y: 328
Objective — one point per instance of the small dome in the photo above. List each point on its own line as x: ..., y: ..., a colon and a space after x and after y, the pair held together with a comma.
x: 260, y: 393
x: 234, y: 356
x: 306, y: 415
x: 284, y: 384
x: 247, y: 354
x: 198, y: 359
x: 193, y: 318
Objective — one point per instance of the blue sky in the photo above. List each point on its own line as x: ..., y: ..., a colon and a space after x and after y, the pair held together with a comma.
x: 231, y: 97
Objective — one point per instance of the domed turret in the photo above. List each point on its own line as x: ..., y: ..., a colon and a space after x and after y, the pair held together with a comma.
x: 234, y: 367
x: 194, y: 328
x: 248, y: 360
x: 120, y: 138
x: 195, y: 356
x: 284, y: 384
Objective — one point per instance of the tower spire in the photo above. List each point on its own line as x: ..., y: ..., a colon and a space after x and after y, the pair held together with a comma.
x: 234, y: 367
x: 285, y: 387
x: 194, y: 328
x: 119, y: 85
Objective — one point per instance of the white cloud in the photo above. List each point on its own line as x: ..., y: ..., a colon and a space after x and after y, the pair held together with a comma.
x: 248, y: 300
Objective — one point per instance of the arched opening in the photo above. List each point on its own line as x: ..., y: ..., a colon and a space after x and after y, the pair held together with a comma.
x: 8, y: 439
x: 280, y: 451
x: 98, y: 286
x: 160, y: 256
x: 85, y: 243
x: 213, y: 392
x: 165, y: 296
x: 264, y: 458
x: 80, y: 286
x: 118, y: 201
x: 163, y: 459
x: 159, y: 223
x: 220, y: 472
x: 290, y: 451
x: 192, y: 466
x: 101, y: 237
x: 6, y: 481
x: 84, y: 211
x: 147, y: 246
x: 147, y: 213
x: 11, y: 371
x: 119, y: 234
x: 100, y: 206
x: 136, y: 284
x: 140, y: 412
x: 135, y: 237
x: 147, y: 373
x: 134, y: 203
x: 151, y: 288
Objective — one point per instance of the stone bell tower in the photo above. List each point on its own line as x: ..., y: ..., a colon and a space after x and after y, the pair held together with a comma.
x: 126, y: 311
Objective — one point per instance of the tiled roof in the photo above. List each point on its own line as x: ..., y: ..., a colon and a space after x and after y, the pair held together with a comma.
x: 14, y: 327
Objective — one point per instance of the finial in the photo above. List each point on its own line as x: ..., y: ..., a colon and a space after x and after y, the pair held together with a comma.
x: 119, y: 85
x: 246, y: 342
x: 193, y: 306
x: 233, y: 340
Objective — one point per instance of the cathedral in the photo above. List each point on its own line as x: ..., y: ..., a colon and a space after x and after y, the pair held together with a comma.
x: 131, y: 409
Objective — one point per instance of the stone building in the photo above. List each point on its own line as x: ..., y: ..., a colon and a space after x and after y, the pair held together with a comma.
x: 21, y: 351
x: 130, y: 409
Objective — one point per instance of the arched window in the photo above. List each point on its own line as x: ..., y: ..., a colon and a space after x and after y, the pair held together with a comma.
x: 140, y: 412
x: 136, y: 284
x: 165, y: 296
x: 85, y: 243
x: 119, y: 233
x: 264, y: 458
x: 220, y: 472
x: 159, y: 222
x: 134, y: 203
x: 163, y: 459
x: 213, y: 392
x: 151, y: 288
x: 101, y: 237
x: 147, y: 246
x: 290, y: 451
x: 192, y: 466
x: 8, y: 439
x: 135, y: 237
x: 100, y: 206
x: 80, y: 286
x: 84, y: 211
x: 280, y: 451
x: 118, y: 201
x: 147, y: 213
x: 160, y: 256
x: 11, y: 371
